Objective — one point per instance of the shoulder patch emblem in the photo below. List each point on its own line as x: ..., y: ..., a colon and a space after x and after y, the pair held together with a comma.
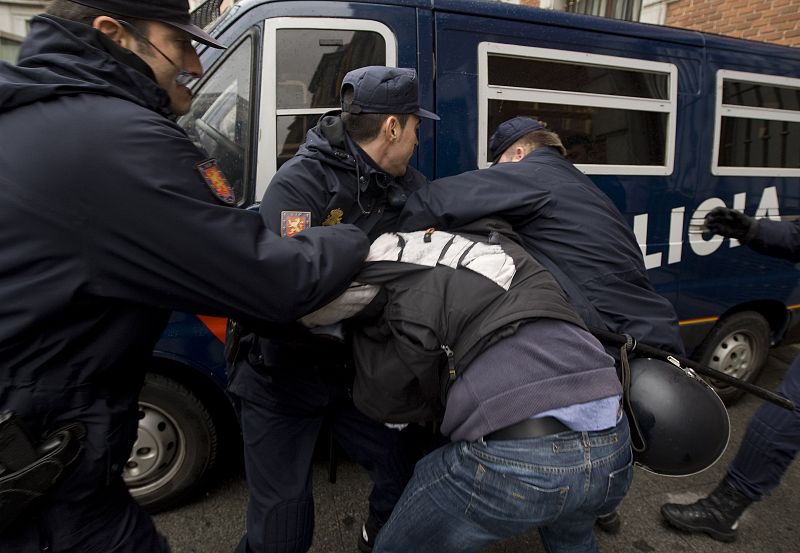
x: 216, y: 181
x: 334, y: 217
x: 294, y: 222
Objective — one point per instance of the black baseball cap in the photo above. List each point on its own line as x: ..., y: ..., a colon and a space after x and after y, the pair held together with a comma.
x: 509, y: 132
x: 172, y: 12
x: 379, y: 89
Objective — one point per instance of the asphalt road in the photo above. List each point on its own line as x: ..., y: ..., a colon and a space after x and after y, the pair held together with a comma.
x: 215, y: 522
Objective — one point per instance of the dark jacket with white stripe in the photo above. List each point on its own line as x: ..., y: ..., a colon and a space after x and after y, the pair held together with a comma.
x: 450, y: 297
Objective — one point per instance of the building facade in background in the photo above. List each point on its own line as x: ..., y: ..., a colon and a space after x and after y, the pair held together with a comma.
x: 628, y: 10
x: 15, y: 17
x: 776, y: 21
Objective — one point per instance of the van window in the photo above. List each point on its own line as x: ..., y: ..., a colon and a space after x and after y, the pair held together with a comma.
x: 614, y: 115
x: 304, y: 62
x: 569, y: 77
x: 757, y: 126
x: 220, y: 119
x: 312, y: 63
x: 310, y: 67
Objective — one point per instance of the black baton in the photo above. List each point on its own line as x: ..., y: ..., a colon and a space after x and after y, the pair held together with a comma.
x: 619, y: 340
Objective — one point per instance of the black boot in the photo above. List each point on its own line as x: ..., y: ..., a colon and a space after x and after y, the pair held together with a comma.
x: 609, y: 522
x: 369, y: 531
x: 717, y: 515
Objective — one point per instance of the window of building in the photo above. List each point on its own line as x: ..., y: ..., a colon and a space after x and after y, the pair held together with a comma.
x: 757, y: 127
x: 614, y: 115
x: 629, y: 10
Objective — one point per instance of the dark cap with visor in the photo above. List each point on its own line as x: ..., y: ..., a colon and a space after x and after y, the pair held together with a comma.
x: 379, y: 89
x: 171, y: 12
x: 509, y: 132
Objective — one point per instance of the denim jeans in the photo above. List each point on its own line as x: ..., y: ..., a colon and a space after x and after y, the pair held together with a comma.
x: 467, y: 495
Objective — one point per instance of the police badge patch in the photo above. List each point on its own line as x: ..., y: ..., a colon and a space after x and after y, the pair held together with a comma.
x: 216, y: 181
x: 334, y: 217
x: 294, y: 222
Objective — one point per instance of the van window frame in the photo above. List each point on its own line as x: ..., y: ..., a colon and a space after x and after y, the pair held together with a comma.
x: 251, y: 36
x: 747, y: 112
x: 669, y: 106
x: 268, y: 108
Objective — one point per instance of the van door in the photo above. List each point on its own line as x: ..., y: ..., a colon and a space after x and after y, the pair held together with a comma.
x: 304, y: 62
x: 302, y: 50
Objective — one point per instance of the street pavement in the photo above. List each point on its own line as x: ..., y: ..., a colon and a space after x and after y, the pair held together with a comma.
x: 214, y: 522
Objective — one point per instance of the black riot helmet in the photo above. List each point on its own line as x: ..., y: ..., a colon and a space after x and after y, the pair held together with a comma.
x: 683, y: 423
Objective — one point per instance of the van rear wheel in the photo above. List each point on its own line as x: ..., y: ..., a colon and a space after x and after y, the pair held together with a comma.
x: 738, y: 345
x: 176, y: 444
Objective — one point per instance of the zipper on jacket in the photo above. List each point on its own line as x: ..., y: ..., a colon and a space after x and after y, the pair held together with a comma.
x: 451, y: 363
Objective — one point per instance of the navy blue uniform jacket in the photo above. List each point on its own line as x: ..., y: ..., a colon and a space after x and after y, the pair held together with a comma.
x: 334, y: 181
x: 105, y: 226
x: 570, y: 227
x: 778, y: 239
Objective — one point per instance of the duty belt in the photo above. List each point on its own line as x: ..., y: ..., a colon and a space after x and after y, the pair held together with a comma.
x: 29, y: 470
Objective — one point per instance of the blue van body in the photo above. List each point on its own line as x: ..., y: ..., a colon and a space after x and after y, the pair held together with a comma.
x: 705, y: 93
x: 440, y: 39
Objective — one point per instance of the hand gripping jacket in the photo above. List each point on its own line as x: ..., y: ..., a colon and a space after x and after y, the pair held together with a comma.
x: 448, y: 297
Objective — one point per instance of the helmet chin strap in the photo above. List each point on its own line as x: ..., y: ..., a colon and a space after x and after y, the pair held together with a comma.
x: 638, y: 442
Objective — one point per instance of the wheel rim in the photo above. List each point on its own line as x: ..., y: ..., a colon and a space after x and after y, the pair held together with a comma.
x: 734, y: 356
x: 158, y: 453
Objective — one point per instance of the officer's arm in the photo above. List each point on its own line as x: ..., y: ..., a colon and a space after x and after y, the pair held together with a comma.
x: 293, y: 194
x: 778, y: 239
x: 154, y: 234
x: 454, y: 201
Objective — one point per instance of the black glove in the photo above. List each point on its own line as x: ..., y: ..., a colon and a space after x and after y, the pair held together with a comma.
x: 728, y: 222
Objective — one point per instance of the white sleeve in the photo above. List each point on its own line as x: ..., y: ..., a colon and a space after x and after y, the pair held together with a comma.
x: 351, y: 302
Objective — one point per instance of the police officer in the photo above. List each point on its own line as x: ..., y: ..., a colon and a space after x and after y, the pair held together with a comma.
x: 353, y: 168
x: 109, y: 219
x: 566, y: 223
x: 772, y: 438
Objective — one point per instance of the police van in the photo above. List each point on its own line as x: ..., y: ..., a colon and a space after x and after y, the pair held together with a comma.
x: 669, y: 123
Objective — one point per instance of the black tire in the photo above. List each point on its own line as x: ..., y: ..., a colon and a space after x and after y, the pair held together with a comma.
x: 176, y: 447
x: 738, y: 345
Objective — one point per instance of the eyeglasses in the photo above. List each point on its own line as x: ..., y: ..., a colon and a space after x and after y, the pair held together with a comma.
x: 184, y: 78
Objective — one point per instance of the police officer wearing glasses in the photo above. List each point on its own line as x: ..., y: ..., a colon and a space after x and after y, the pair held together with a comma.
x: 109, y: 219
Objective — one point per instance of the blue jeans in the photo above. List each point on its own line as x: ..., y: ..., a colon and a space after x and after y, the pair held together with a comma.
x: 770, y: 443
x: 467, y: 495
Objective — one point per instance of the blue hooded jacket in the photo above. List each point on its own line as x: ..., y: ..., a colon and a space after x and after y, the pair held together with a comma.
x: 334, y: 181
x: 105, y: 226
